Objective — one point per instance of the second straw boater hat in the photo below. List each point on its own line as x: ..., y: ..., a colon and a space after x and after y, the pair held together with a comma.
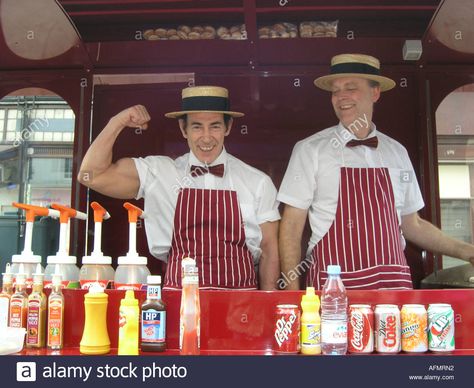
x: 212, y: 99
x: 354, y: 65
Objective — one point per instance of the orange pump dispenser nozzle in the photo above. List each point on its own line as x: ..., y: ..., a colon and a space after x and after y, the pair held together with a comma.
x: 32, y: 211
x: 134, y: 213
x: 100, y: 214
x: 132, y: 257
x: 65, y: 213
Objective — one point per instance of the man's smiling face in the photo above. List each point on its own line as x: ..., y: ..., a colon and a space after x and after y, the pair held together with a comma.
x: 353, y: 99
x: 205, y: 133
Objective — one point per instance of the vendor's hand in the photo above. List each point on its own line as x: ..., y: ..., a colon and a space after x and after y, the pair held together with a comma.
x: 134, y: 117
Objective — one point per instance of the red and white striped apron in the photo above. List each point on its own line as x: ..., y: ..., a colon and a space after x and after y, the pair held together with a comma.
x: 208, y: 227
x: 364, y: 238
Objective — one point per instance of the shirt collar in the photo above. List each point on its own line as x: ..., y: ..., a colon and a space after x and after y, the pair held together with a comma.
x: 221, y: 159
x: 345, y: 135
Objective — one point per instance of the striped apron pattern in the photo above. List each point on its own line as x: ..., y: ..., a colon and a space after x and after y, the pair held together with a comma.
x: 208, y: 227
x: 364, y: 238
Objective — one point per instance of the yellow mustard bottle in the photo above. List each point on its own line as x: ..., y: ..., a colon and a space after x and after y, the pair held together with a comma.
x: 128, y: 325
x: 310, y: 323
x: 95, y: 337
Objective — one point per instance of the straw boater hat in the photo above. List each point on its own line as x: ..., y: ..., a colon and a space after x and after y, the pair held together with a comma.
x: 213, y: 99
x: 354, y: 65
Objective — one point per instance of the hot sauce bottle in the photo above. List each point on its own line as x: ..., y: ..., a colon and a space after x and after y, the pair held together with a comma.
x: 36, y: 317
x: 19, y: 301
x: 56, y: 313
x: 5, y: 296
x: 190, y: 312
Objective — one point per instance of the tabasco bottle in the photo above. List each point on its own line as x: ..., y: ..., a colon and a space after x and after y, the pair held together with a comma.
x: 19, y: 301
x: 5, y: 296
x: 37, y: 301
x: 56, y: 313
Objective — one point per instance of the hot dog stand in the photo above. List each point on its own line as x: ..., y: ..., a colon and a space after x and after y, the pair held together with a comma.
x: 98, y: 58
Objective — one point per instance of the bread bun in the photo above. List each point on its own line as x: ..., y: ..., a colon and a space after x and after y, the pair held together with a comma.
x: 147, y: 33
x: 185, y: 29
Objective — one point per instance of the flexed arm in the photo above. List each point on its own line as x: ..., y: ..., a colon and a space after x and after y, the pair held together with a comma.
x: 119, y: 179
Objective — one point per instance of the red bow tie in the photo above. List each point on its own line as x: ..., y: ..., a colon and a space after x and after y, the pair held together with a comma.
x: 369, y: 142
x: 217, y: 170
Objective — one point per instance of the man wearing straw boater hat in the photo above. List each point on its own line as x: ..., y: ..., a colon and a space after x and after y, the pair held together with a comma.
x: 224, y: 212
x: 359, y: 190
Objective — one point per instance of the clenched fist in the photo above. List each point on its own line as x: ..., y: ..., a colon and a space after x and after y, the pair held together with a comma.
x: 135, y: 117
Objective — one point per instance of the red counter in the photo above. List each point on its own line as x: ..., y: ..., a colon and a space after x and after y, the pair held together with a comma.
x: 242, y: 323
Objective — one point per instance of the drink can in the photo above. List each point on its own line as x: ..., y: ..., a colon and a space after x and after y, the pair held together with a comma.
x: 361, y: 329
x: 287, y: 329
x: 414, y: 328
x: 387, y: 328
x: 440, y: 327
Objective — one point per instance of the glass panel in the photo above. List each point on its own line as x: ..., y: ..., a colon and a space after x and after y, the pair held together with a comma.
x: 9, y: 181
x: 11, y: 136
x: 59, y: 113
x: 12, y: 113
x: 455, y: 135
x: 50, y: 181
x: 38, y: 136
x: 28, y: 127
x: 12, y: 125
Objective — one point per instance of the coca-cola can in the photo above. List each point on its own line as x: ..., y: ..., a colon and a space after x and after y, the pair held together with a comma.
x: 361, y: 329
x: 387, y: 328
x: 287, y: 329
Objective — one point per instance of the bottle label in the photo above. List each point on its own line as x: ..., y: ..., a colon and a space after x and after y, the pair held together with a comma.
x: 311, y: 334
x: 153, y: 292
x: 18, y: 312
x: 64, y: 284
x: 334, y: 332
x: 55, y: 323
x: 28, y: 283
x: 153, y: 326
x: 86, y: 284
x: 4, y: 310
x: 33, y: 322
x: 126, y: 286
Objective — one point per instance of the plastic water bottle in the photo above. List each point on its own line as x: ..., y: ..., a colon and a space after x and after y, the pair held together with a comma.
x: 334, y: 314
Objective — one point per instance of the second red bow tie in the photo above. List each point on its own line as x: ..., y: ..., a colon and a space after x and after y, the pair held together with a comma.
x: 369, y: 142
x: 217, y: 170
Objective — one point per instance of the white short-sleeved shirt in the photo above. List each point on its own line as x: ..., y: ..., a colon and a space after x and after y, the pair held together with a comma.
x: 161, y: 179
x: 312, y: 178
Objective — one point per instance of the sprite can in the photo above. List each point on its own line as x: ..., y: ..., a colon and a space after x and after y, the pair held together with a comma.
x: 440, y: 327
